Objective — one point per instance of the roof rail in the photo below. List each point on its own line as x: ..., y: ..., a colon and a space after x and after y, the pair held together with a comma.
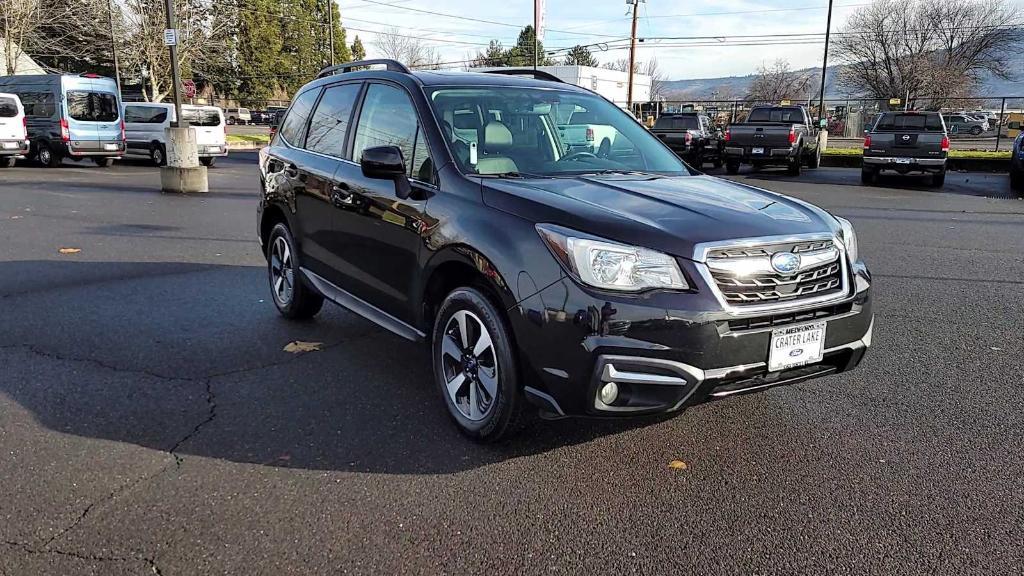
x: 392, y: 65
x: 537, y: 74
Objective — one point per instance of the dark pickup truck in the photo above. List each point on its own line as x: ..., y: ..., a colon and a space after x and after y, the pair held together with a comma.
x: 773, y: 136
x: 906, y: 142
x: 692, y: 136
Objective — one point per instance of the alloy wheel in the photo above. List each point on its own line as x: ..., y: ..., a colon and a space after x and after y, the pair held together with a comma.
x: 469, y: 364
x: 282, y: 274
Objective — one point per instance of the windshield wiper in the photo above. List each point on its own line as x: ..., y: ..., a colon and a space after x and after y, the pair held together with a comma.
x: 622, y: 171
x: 512, y: 174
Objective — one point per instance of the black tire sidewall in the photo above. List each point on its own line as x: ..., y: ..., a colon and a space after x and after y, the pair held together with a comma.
x: 158, y: 149
x: 505, y: 410
x: 301, y: 293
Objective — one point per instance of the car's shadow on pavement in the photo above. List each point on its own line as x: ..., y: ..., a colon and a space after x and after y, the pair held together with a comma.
x: 190, y: 358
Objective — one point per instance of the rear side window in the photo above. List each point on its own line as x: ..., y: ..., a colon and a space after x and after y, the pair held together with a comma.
x: 779, y: 114
x: 388, y: 118
x: 8, y: 107
x: 895, y: 121
x: 92, y: 106
x: 329, y: 126
x: 677, y: 123
x: 38, y: 104
x: 294, y: 128
x: 145, y: 114
x: 201, y: 117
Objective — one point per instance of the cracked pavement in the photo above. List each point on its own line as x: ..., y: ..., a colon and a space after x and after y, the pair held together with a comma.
x: 151, y: 423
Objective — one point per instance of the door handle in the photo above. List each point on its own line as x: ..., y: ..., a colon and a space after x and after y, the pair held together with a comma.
x: 341, y: 196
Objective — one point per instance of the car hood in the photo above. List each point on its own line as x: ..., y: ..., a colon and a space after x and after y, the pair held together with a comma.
x: 670, y: 214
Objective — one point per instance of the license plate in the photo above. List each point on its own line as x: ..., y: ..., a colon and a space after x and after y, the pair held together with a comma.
x: 11, y: 145
x: 110, y: 146
x: 903, y: 160
x: 214, y: 149
x: 757, y: 151
x: 796, y: 345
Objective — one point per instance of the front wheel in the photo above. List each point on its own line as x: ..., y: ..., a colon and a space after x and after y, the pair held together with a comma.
x: 976, y: 130
x: 7, y: 162
x: 208, y: 161
x: 158, y: 155
x: 868, y: 176
x: 732, y: 168
x: 1017, y: 180
x: 474, y: 368
x: 294, y: 299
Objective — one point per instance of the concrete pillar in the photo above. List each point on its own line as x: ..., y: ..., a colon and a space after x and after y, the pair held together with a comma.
x: 183, y: 173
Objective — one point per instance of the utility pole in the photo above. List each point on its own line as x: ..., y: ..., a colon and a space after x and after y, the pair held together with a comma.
x: 182, y: 172
x: 113, y: 45
x: 175, y: 70
x: 330, y: 23
x: 824, y: 64
x: 536, y: 31
x: 632, y: 55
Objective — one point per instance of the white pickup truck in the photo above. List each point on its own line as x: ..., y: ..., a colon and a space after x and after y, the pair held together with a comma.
x: 581, y: 133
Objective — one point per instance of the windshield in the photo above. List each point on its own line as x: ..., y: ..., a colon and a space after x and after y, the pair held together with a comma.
x: 92, y: 106
x: 201, y: 116
x: 777, y: 114
x: 538, y: 132
x: 892, y: 121
x: 677, y: 123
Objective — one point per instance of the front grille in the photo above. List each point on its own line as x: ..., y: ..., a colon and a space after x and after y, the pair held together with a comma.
x: 744, y: 275
x: 783, y: 319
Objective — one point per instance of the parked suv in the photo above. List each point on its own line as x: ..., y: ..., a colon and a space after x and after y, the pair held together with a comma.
x: 73, y: 116
x: 906, y: 142
x: 13, y: 131
x: 963, y: 124
x: 238, y: 116
x: 584, y: 285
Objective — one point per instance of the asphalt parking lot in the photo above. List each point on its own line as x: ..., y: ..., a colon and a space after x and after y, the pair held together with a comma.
x: 151, y: 422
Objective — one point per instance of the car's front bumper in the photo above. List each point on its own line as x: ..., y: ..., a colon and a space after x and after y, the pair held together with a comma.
x: 668, y: 351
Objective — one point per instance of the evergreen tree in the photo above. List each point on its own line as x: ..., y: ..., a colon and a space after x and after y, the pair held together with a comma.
x: 521, y: 55
x: 494, y: 56
x: 580, y: 56
x: 259, y: 41
x: 358, y: 52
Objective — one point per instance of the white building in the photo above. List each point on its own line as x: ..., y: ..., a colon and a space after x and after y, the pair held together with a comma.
x: 22, y: 63
x: 612, y: 84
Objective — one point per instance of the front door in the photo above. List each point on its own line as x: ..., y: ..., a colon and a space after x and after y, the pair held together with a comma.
x: 379, y: 234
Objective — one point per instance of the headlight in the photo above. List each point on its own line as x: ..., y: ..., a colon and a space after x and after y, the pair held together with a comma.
x: 609, y: 265
x: 849, y: 238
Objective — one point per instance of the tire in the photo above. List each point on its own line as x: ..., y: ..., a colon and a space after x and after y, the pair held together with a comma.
x: 868, y: 176
x: 732, y: 168
x: 158, y: 154
x: 815, y: 159
x: 717, y: 162
x: 7, y: 162
x: 294, y: 299
x: 485, y: 413
x: 1017, y: 180
x: 231, y: 120
x: 208, y: 161
x: 976, y: 130
x: 795, y: 166
x: 938, y: 179
x: 46, y: 156
x: 103, y: 162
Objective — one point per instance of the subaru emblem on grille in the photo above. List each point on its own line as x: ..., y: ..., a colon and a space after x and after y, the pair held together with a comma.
x: 785, y: 262
x: 906, y: 137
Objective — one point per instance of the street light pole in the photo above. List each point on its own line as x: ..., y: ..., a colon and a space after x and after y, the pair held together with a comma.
x: 182, y: 172
x: 175, y: 70
x: 113, y: 44
x: 824, y: 63
x: 330, y: 23
x: 632, y: 57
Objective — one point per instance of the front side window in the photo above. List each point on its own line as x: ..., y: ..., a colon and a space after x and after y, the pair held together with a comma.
x: 89, y: 106
x: 388, y: 118
x: 543, y: 132
x: 294, y: 128
x: 8, y: 107
x: 145, y: 114
x: 329, y: 126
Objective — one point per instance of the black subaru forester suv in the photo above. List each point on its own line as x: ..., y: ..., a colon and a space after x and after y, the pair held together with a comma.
x: 445, y: 207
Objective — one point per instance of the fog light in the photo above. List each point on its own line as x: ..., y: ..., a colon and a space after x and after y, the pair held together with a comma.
x: 609, y: 392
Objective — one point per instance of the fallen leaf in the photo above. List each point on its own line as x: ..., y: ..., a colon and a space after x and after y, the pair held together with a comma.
x: 15, y: 217
x: 69, y: 250
x: 298, y: 347
x: 677, y: 464
x: 997, y: 349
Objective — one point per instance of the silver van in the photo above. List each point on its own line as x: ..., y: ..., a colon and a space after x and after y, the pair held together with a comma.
x: 70, y: 116
x: 145, y: 123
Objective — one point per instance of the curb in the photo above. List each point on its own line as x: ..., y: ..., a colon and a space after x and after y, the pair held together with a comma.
x: 953, y: 164
x: 245, y: 146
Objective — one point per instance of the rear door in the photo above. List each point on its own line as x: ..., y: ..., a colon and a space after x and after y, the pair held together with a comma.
x: 208, y: 123
x: 12, y: 122
x: 93, y: 117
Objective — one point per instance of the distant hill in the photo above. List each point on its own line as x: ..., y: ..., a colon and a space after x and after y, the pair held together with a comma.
x: 705, y: 88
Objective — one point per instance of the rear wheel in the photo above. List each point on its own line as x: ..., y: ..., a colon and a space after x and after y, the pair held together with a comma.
x: 938, y: 179
x: 46, y: 156
x: 868, y: 176
x: 794, y: 166
x: 7, y: 162
x: 208, y: 161
x: 732, y: 167
x: 474, y: 368
x: 294, y: 299
x: 717, y: 163
x: 1017, y: 180
x: 815, y: 159
x: 103, y: 162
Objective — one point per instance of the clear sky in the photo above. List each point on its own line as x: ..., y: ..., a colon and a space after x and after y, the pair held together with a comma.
x: 719, y: 22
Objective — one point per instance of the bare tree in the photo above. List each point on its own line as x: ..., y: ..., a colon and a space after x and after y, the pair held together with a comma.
x: 778, y: 81
x: 939, y: 49
x: 413, y: 52
x: 648, y: 68
x: 53, y: 31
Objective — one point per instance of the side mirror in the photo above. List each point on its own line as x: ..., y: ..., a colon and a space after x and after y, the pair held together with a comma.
x: 386, y: 163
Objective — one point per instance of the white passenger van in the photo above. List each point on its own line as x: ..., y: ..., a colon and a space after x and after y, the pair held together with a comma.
x: 144, y: 124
